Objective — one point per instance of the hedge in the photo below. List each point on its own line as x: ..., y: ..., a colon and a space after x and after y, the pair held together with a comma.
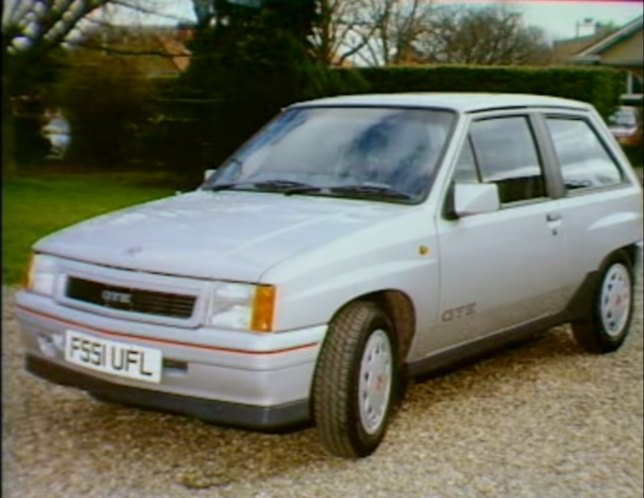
x: 196, y: 129
x: 598, y: 86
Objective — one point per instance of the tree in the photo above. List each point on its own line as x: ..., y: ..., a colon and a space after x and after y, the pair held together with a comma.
x: 490, y: 35
x: 341, y: 30
x: 107, y: 104
x: 398, y: 25
x: 32, y: 34
x: 249, y: 59
x: 242, y: 48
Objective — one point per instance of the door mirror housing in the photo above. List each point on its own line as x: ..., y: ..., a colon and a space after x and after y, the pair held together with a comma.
x: 475, y: 198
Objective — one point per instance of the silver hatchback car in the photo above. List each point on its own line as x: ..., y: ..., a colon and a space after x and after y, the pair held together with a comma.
x: 353, y: 243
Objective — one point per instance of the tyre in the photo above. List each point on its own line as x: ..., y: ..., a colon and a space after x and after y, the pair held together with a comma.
x: 356, y: 380
x: 607, y: 323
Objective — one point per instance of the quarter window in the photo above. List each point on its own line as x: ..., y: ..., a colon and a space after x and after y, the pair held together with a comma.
x: 466, y: 170
x: 507, y: 155
x: 584, y: 161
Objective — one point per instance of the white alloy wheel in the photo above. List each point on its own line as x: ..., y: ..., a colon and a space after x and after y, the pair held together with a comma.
x: 615, y: 299
x: 375, y: 382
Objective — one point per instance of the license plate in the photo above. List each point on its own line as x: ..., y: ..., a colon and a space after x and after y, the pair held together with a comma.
x: 115, y: 358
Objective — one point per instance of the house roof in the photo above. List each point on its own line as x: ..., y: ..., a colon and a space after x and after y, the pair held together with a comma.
x: 594, y: 50
x: 572, y: 46
x: 158, y: 51
x: 462, y: 102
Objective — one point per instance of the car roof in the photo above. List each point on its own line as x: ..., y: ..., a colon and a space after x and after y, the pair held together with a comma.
x: 461, y: 102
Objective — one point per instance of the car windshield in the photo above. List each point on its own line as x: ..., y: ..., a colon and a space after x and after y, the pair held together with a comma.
x: 387, y: 154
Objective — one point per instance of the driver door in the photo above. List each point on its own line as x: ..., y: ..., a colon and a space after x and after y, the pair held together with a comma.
x: 507, y: 267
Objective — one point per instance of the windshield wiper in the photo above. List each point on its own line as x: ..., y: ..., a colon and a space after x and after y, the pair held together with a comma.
x: 282, y: 186
x: 286, y: 186
x: 371, y: 191
x: 230, y: 186
x: 290, y: 187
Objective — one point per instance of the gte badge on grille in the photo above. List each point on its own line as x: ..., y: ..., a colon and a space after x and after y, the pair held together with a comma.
x: 109, y: 296
x: 130, y: 299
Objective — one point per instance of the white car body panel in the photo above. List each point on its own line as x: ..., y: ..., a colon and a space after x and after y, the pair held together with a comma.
x: 231, y: 236
x: 480, y: 264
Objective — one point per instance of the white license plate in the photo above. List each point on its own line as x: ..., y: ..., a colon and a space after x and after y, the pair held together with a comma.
x: 115, y: 358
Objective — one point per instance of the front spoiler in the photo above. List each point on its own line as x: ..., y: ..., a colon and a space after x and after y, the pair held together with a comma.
x: 260, y: 418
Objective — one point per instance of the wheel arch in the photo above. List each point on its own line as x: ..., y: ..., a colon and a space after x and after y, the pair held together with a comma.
x: 400, y: 309
x: 339, y: 383
x: 590, y: 329
x: 582, y: 300
x: 633, y: 252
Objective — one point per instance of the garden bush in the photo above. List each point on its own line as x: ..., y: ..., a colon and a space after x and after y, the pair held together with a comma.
x: 599, y: 86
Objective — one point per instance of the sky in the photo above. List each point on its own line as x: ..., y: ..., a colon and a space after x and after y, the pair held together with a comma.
x: 558, y: 18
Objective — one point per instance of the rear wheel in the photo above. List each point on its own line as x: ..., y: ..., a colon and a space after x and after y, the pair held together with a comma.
x: 607, y: 324
x: 356, y: 381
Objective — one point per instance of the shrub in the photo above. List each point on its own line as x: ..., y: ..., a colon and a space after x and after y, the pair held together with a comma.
x: 106, y: 103
x: 203, y: 118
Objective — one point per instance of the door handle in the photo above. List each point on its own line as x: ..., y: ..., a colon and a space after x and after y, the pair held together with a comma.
x: 553, y: 216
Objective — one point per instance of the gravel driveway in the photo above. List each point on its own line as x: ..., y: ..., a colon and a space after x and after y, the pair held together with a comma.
x: 541, y: 420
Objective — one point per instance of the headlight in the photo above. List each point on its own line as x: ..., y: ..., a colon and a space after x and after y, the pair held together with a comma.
x: 41, y: 275
x: 242, y: 306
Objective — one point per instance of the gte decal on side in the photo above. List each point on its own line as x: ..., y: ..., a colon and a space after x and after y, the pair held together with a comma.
x: 460, y: 312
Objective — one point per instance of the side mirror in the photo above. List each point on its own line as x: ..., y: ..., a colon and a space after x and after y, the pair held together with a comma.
x: 475, y: 198
x: 207, y: 174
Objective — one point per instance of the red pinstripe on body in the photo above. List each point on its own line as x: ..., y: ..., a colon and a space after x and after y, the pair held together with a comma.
x: 164, y: 341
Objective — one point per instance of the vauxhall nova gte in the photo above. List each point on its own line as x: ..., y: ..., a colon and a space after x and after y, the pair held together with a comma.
x: 353, y: 243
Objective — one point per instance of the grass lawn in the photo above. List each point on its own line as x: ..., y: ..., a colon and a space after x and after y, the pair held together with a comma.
x: 38, y: 205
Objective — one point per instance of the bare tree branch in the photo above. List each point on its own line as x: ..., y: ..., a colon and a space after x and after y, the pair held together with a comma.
x: 34, y: 26
x: 44, y: 23
x: 336, y: 27
x: 139, y: 7
x: 482, y: 35
x: 398, y: 25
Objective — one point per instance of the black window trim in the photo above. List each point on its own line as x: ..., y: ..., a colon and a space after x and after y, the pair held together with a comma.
x: 475, y: 156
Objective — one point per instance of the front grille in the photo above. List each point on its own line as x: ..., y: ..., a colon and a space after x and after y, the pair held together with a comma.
x: 129, y: 299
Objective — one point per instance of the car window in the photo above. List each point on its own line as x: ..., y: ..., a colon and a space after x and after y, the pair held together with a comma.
x: 330, y: 148
x: 584, y: 161
x: 466, y: 170
x: 507, y: 155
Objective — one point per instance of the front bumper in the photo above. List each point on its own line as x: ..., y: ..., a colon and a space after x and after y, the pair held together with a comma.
x: 261, y: 418
x: 257, y: 381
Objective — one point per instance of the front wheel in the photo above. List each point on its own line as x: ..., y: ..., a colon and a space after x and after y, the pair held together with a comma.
x: 607, y: 324
x: 355, y: 381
